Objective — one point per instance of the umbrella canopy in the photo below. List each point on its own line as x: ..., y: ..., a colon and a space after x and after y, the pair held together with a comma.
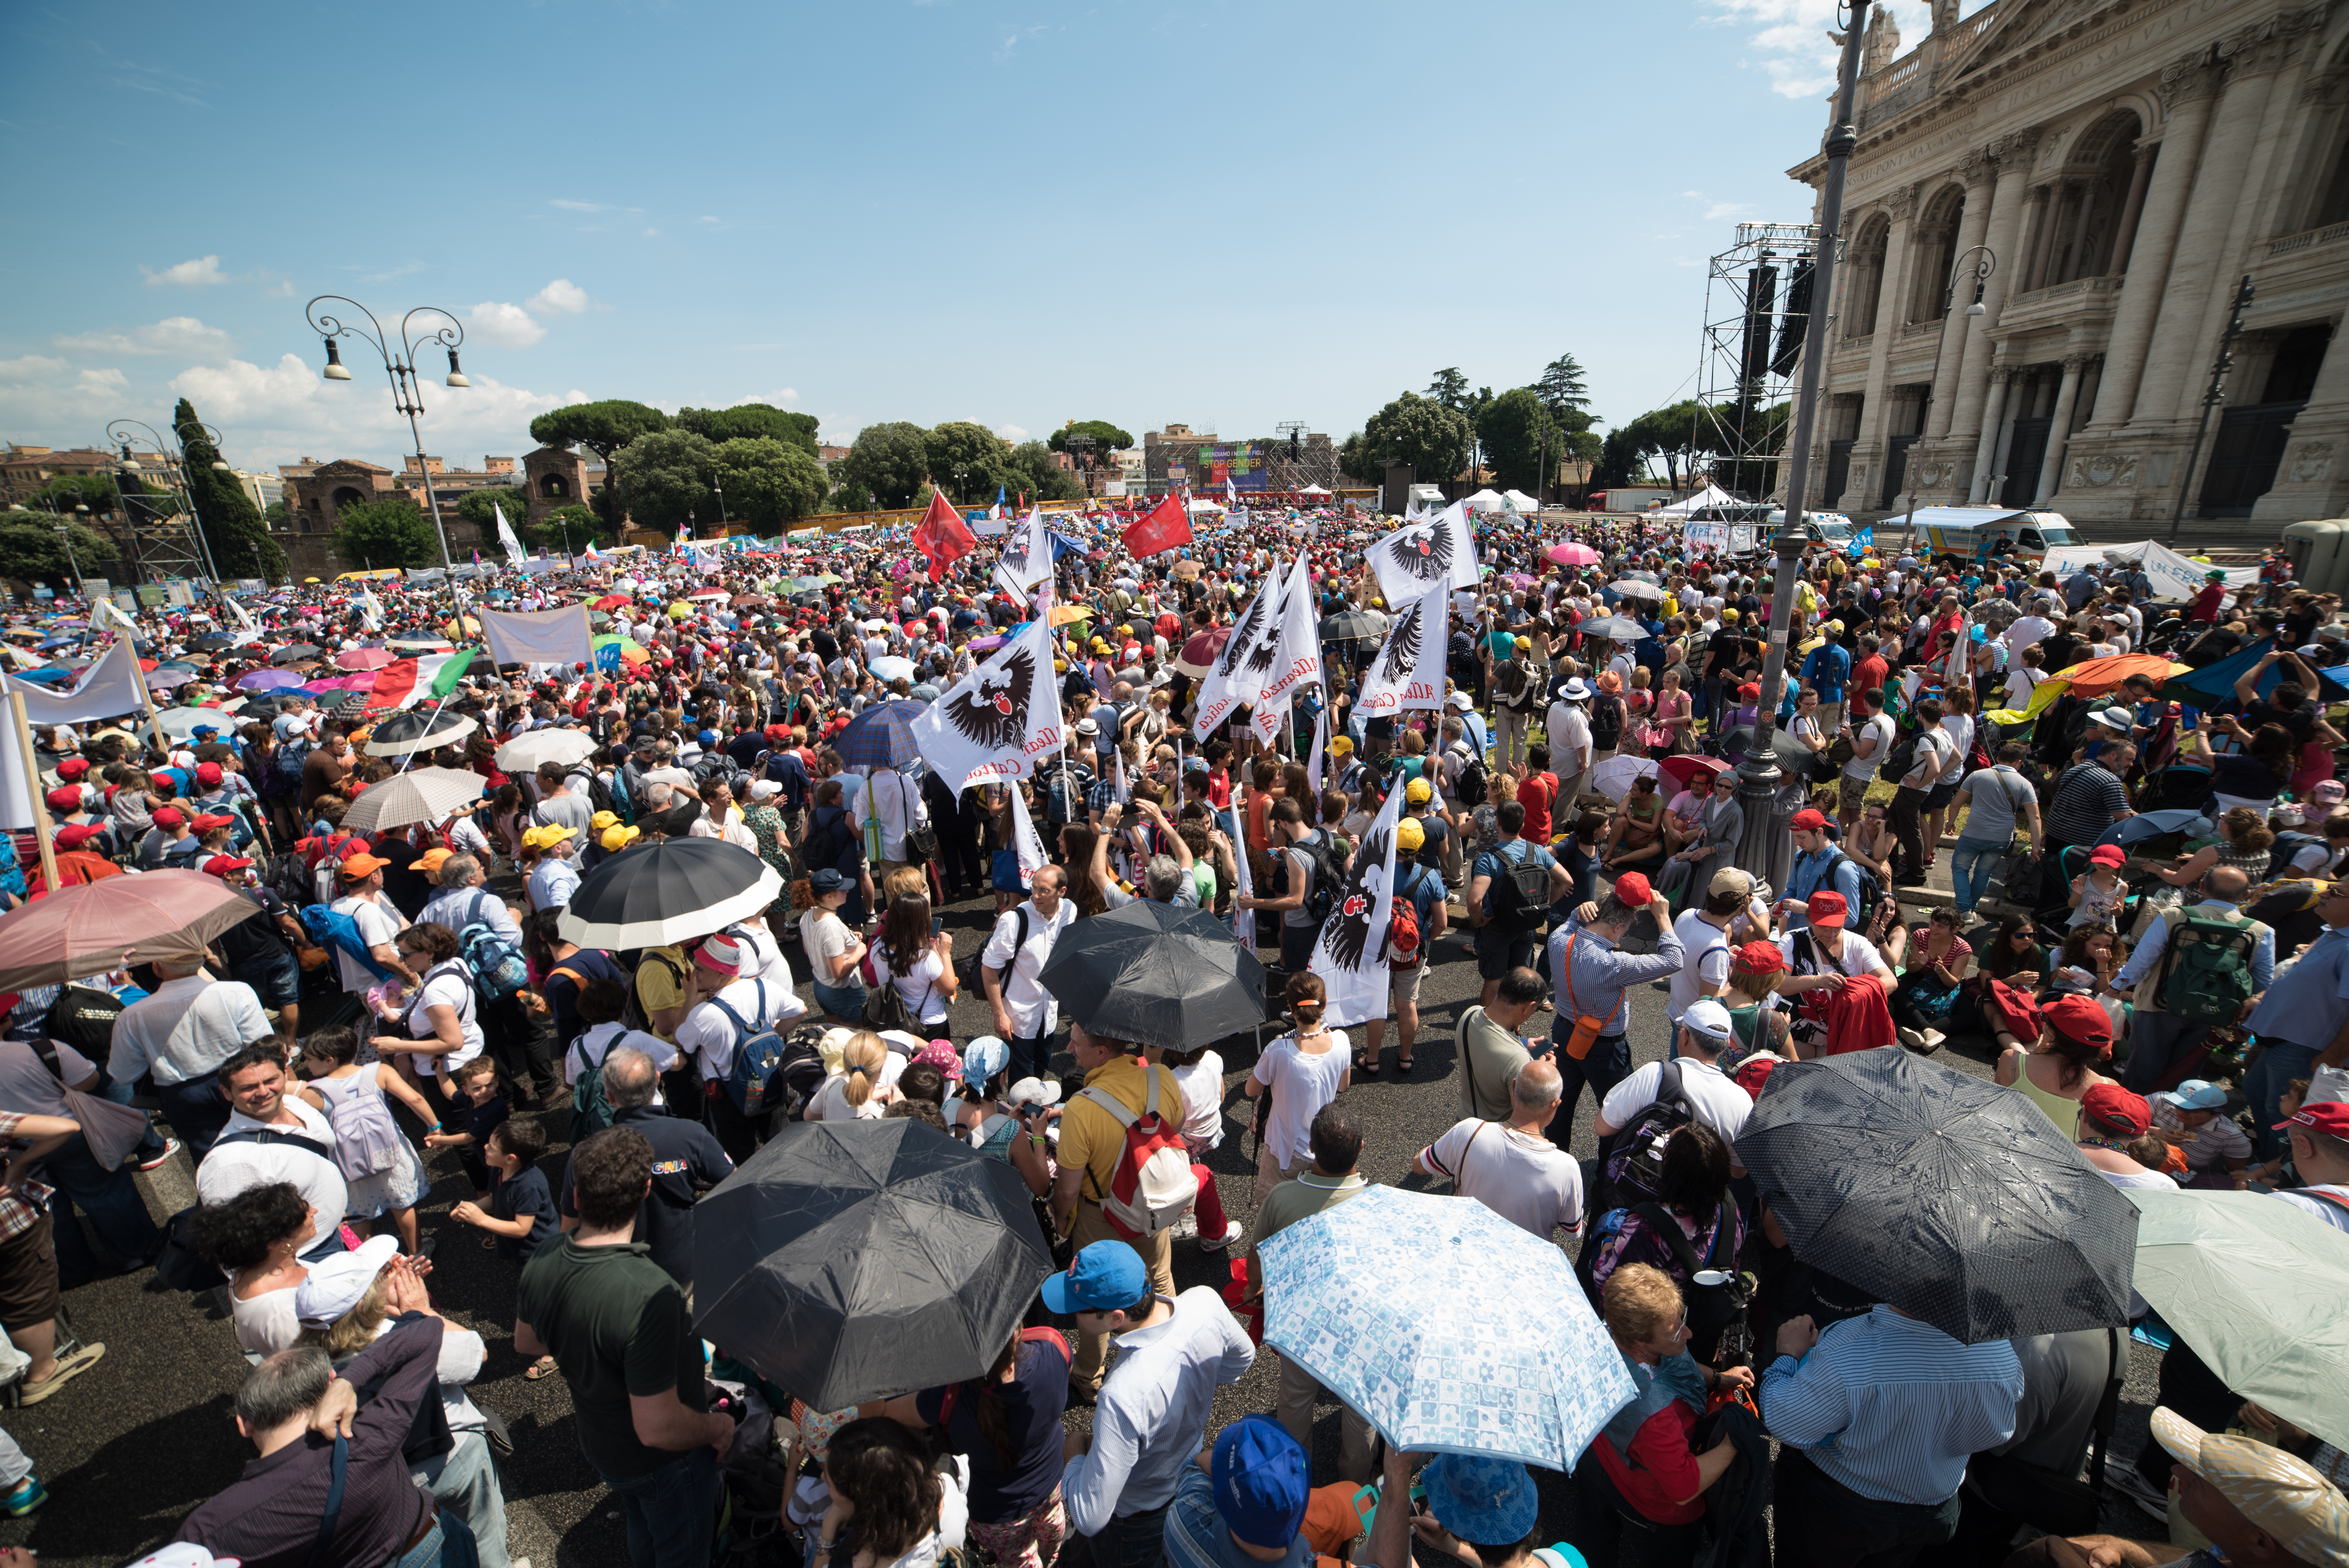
x: 212, y: 640
x: 612, y: 601
x: 418, y: 794
x: 295, y: 653
x: 180, y: 723
x: 341, y: 682
x: 1409, y: 1307
x: 890, y: 667
x: 1613, y: 776
x: 559, y: 746
x: 1614, y: 628
x: 166, y: 678
x: 1571, y: 554
x: 1352, y: 627
x: 410, y: 731
x: 882, y: 736
x: 85, y: 929
x: 2255, y: 1287
x: 671, y: 892
x: 2093, y: 678
x: 419, y: 644
x: 1948, y: 1196
x: 849, y: 1260
x: 364, y: 658
x: 2149, y: 825
x: 1200, y: 651
x: 1686, y: 771
x: 1156, y: 975
x: 1633, y: 588
x: 2212, y: 685
x: 268, y: 680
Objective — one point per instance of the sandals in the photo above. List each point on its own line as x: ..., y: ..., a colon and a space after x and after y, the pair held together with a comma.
x: 1403, y: 1067
x: 1366, y: 1065
x: 543, y: 1366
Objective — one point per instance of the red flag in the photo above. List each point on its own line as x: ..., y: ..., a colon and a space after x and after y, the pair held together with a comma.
x: 1167, y: 526
x: 392, y: 683
x: 943, y: 536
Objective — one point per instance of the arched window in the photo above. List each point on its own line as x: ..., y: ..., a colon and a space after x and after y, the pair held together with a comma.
x: 345, y: 496
x: 1865, y: 291
x: 551, y: 487
x: 1935, y: 247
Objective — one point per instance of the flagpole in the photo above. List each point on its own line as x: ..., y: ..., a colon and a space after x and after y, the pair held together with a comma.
x: 42, y: 828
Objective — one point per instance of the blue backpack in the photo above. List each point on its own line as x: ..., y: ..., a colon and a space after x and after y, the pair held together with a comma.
x: 757, y: 1053
x: 497, y: 971
x: 332, y: 927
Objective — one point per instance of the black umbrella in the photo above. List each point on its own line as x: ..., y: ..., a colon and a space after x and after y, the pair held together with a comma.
x: 212, y: 640
x: 296, y: 653
x: 1945, y: 1195
x: 650, y: 895
x: 1352, y: 627
x: 410, y: 730
x: 1157, y: 976
x: 858, y: 1260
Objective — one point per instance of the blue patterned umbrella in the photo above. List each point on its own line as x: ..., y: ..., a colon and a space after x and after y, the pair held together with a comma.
x: 1445, y: 1327
x: 882, y: 736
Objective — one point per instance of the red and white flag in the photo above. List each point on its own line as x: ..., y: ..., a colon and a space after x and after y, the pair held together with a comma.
x: 1167, y: 526
x: 943, y: 536
x: 1351, y: 956
x: 1296, y: 658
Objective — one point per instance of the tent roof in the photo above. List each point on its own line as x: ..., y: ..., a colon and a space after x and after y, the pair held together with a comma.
x: 1711, y: 495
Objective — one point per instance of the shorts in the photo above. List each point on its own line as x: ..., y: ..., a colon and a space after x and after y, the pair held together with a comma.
x: 1851, y: 794
x: 841, y: 1001
x: 1403, y: 985
x: 29, y: 1277
x: 1941, y: 795
x: 1498, y: 952
x: 278, y: 982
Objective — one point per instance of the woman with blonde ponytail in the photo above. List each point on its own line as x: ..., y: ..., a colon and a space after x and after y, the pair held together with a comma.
x: 864, y: 1087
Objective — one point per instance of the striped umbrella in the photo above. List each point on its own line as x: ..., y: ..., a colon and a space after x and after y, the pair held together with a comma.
x: 882, y: 736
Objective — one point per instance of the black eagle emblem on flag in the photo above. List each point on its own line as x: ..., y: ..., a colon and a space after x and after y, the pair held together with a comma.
x: 1350, y: 934
x: 994, y: 713
x: 1267, y: 645
x: 1425, y: 551
x: 1400, y: 657
x: 1244, y: 635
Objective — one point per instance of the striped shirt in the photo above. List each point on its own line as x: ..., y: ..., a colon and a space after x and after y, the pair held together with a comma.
x: 1892, y: 1407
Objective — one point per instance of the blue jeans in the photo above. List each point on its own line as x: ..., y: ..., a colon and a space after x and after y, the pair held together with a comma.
x: 1136, y: 1541
x: 845, y: 1002
x: 1967, y: 873
x: 1608, y: 1064
x: 671, y: 1513
x: 448, y: 1544
x: 464, y: 1482
x: 198, y: 1112
x: 2263, y: 1086
x: 111, y: 1198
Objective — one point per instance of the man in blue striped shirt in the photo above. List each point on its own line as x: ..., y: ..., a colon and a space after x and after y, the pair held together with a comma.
x: 1876, y: 1419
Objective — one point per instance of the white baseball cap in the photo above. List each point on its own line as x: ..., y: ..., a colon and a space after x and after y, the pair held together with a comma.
x: 1707, y: 1017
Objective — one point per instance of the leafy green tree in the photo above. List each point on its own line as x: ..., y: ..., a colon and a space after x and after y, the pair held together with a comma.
x: 849, y: 498
x: 1354, y: 461
x: 1033, y: 472
x: 1519, y: 437
x: 1433, y: 440
x: 569, y: 528
x: 278, y: 516
x: 30, y: 548
x: 1560, y: 387
x: 888, y: 462
x: 751, y: 421
x: 602, y: 428
x: 1450, y: 388
x: 379, y: 533
x: 232, y: 525
x: 769, y: 482
x: 1675, y: 435
x: 969, y: 460
x: 481, y: 507
x: 667, y: 474
x: 1106, y: 435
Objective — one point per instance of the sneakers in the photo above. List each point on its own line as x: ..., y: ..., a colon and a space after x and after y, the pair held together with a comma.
x: 171, y: 1146
x: 71, y: 1363
x: 2131, y: 1484
x: 1924, y: 1042
x: 29, y: 1495
x: 1208, y: 1244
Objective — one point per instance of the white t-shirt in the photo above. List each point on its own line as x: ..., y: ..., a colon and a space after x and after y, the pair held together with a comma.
x: 1034, y: 1012
x: 1961, y: 727
x: 918, y: 986
x: 1521, y: 1176
x: 1935, y: 755
x: 1707, y: 961
x: 379, y: 925
x: 1865, y: 766
x: 1301, y: 1085
x: 762, y: 956
x: 831, y: 1099
x: 709, y: 1037
x: 1203, y: 1100
x: 1719, y: 1103
x: 1569, y: 735
x: 233, y: 1168
x: 1859, y: 955
x: 2332, y: 1214
x: 824, y: 937
x: 446, y: 985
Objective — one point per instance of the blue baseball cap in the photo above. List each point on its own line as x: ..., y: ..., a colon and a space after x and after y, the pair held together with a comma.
x: 1480, y: 1499
x: 1261, y: 1480
x: 2198, y: 1094
x: 1103, y: 1276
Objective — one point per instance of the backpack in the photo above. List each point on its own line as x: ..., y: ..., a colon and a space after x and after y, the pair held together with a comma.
x: 288, y: 877
x: 2286, y: 846
x: 1606, y: 721
x: 2209, y: 975
x: 1469, y: 789
x: 335, y: 928
x: 1329, y: 872
x: 632, y: 1009
x: 367, y: 1141
x: 978, y: 960
x: 288, y: 763
x: 1520, y: 894
x: 83, y: 1017
x: 1717, y: 1312
x: 757, y: 1053
x: 497, y: 970
x: 1902, y: 757
x: 1631, y: 1168
x: 1403, y: 948
x: 599, y: 794
x: 1152, y: 1186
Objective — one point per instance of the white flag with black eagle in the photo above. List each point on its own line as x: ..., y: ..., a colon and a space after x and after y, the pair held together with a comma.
x: 1025, y: 840
x: 1291, y: 658
x: 1027, y: 558
x: 1224, y: 687
x: 1351, y: 956
x: 1413, y: 559
x: 1001, y: 720
x: 1408, y: 672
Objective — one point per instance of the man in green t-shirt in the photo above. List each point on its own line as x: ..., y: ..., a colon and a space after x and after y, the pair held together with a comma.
x: 616, y: 1325
x: 1337, y: 1142
x: 1492, y: 1044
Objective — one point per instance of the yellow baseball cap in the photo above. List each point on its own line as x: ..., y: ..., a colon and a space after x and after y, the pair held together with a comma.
x: 1417, y: 792
x: 540, y: 838
x: 616, y: 838
x: 1409, y: 835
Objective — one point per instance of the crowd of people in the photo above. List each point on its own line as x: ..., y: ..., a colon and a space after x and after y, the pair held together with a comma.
x: 1572, y: 799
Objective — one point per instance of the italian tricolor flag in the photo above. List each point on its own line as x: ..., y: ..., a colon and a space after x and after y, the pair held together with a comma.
x: 431, y: 677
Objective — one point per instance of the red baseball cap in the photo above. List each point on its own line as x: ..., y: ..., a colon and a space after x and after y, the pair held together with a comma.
x: 220, y: 865
x: 1633, y: 889
x: 2328, y: 1117
x: 208, y: 772
x: 73, y: 768
x: 65, y: 798
x: 1809, y: 821
x: 78, y: 834
x: 1829, y: 910
x: 168, y: 817
x: 2079, y: 1018
x: 211, y: 819
x: 2115, y: 1107
x: 2108, y: 855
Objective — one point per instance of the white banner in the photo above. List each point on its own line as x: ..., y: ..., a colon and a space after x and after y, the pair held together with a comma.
x: 2174, y: 577
x: 540, y: 637
x: 1243, y: 918
x: 1027, y: 558
x: 1295, y: 655
x: 1409, y: 670
x: 107, y: 689
x: 1410, y: 560
x: 999, y: 721
x: 16, y: 799
x: 1224, y: 687
x: 1024, y: 838
x: 1349, y: 956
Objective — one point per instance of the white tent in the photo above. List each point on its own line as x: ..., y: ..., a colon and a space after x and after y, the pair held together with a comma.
x: 1485, y: 500
x: 1518, y: 500
x: 1711, y: 495
x: 1313, y: 489
x: 1204, y: 505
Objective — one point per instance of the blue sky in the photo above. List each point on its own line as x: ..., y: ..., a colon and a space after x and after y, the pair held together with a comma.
x: 1009, y: 211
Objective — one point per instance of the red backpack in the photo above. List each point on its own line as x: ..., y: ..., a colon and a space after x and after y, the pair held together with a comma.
x: 1153, y: 1186
x: 1402, y: 928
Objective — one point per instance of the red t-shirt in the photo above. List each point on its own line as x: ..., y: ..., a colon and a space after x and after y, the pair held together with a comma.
x: 1869, y: 673
x: 1659, y: 1468
x: 2207, y: 602
x: 1536, y: 795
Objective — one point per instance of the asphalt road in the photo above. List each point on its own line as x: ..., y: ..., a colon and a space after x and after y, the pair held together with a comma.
x: 133, y: 1445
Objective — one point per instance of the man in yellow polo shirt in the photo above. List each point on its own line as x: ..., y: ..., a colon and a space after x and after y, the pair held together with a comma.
x: 1092, y: 1143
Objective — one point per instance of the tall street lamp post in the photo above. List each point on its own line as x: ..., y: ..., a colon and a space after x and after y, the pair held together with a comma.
x: 1757, y: 776
x: 407, y: 385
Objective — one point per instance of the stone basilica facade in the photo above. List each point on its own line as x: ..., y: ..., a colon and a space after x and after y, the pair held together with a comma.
x: 2128, y: 163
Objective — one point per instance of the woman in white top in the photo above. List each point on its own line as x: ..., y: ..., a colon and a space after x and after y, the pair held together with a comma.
x: 1958, y: 719
x: 258, y: 1236
x: 440, y: 1015
x: 918, y: 959
x: 1305, y: 1070
x: 864, y: 1087
x: 833, y: 950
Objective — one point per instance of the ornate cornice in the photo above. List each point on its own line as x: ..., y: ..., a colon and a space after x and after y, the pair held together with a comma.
x: 1975, y: 169
x: 2016, y: 146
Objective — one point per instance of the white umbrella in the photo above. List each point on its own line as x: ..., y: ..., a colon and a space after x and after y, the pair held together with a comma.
x: 1613, y: 776
x: 1632, y: 589
x: 418, y: 794
x: 179, y: 723
x: 561, y: 747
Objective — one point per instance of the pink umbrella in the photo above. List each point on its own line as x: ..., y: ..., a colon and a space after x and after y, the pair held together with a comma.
x: 342, y: 683
x: 1571, y: 554
x: 365, y: 659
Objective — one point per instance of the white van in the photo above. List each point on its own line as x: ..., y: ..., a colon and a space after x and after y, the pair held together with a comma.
x: 1976, y: 532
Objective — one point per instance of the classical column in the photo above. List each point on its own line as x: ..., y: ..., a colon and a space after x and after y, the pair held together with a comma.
x: 2013, y: 153
x: 2059, y: 429
x: 2132, y: 207
x: 2075, y: 255
x: 1891, y: 293
x: 2187, y: 86
x: 1976, y: 171
x: 2045, y: 206
x: 1987, y: 446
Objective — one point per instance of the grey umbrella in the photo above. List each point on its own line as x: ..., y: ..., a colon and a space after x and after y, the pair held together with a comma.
x: 1614, y: 628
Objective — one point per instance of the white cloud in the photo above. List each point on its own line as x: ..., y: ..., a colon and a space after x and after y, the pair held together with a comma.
x: 203, y: 270
x: 1792, y: 47
x: 43, y: 399
x: 579, y: 206
x: 178, y: 335
x: 783, y: 397
x: 281, y: 289
x: 505, y: 325
x: 1012, y: 432
x: 1714, y: 212
x: 31, y: 368
x: 560, y: 297
x: 274, y: 413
